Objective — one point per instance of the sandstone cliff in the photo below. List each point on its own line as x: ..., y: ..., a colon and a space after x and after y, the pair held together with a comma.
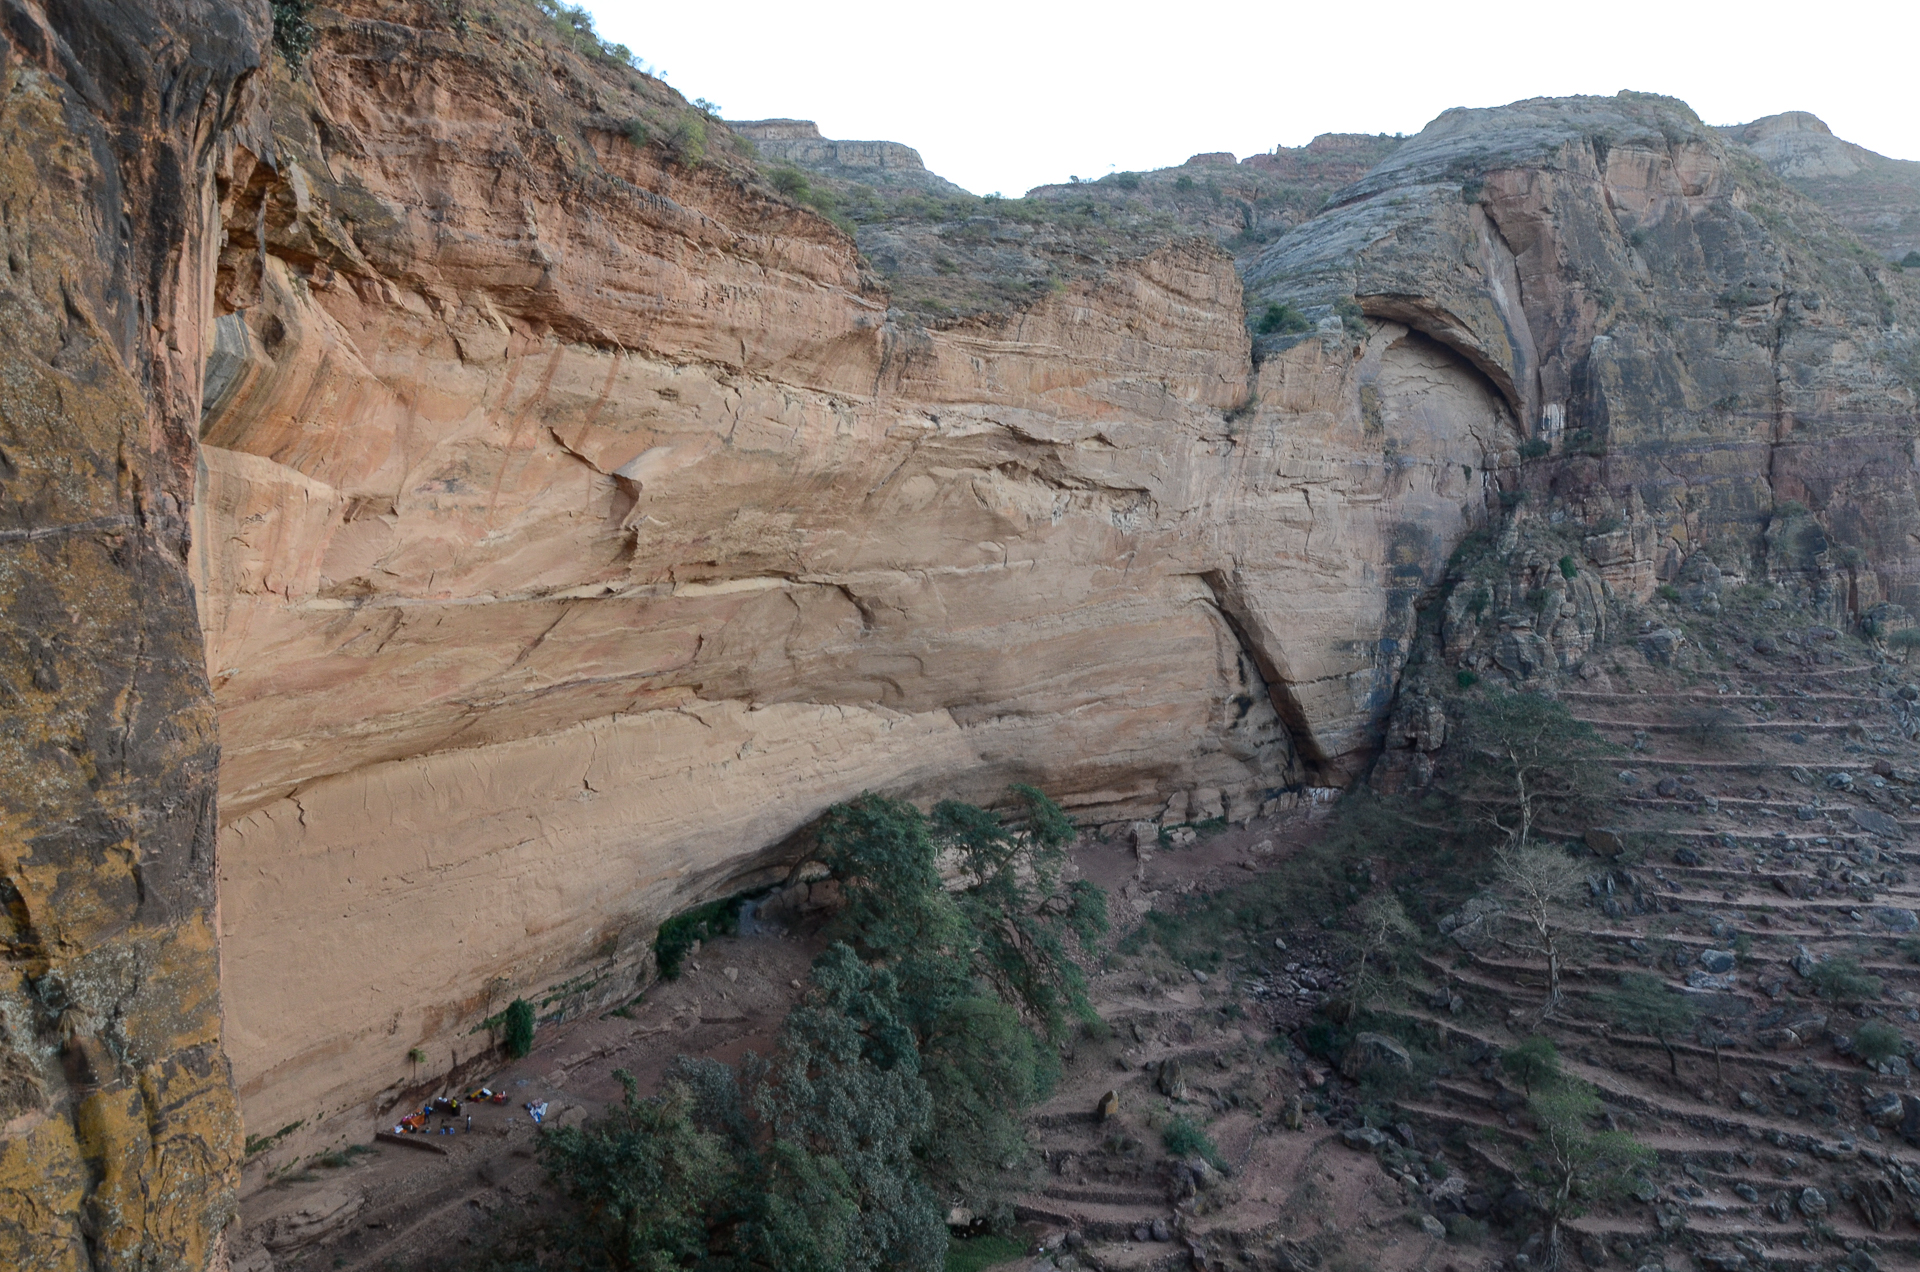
x: 119, y: 1135
x: 577, y: 511
x: 575, y: 525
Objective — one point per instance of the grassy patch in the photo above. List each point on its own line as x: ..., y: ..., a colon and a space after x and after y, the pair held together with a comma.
x: 974, y: 1254
x: 1184, y: 1138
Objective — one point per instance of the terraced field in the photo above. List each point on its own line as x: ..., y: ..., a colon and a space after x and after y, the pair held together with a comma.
x: 1762, y: 835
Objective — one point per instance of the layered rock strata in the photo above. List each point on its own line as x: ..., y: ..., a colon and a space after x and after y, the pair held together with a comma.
x: 119, y: 1132
x: 573, y: 532
x: 1697, y: 352
x: 574, y: 517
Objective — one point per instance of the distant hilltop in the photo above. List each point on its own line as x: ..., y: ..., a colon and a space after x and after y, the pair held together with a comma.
x: 877, y: 163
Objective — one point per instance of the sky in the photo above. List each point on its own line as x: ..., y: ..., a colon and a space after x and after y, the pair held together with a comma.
x: 1003, y: 95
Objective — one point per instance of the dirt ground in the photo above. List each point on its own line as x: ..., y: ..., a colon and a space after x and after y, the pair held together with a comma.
x: 390, y: 1204
x: 387, y: 1206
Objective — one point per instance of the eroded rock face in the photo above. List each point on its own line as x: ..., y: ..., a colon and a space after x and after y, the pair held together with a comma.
x: 574, y: 520
x: 1696, y: 339
x: 572, y: 533
x: 119, y: 1131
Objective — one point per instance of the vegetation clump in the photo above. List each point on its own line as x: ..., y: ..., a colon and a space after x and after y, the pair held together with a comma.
x: 1877, y: 1042
x: 1840, y: 979
x: 519, y: 1028
x: 1282, y: 320
x: 293, y: 34
x: 894, y: 1088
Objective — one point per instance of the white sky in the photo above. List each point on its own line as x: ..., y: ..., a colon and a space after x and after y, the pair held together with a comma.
x: 1008, y: 94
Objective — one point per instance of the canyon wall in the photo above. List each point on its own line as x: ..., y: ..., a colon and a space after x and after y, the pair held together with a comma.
x: 1698, y: 348
x: 573, y: 516
x: 119, y: 1133
x: 577, y: 523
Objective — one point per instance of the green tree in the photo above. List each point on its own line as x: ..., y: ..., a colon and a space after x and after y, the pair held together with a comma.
x: 1534, y: 1063
x: 845, y: 1092
x: 979, y: 969
x: 1644, y: 1004
x: 1877, y: 1042
x: 895, y: 1085
x: 1578, y: 1165
x: 1842, y: 980
x: 1526, y: 758
x: 519, y: 1028
x: 644, y: 1176
x: 1017, y: 909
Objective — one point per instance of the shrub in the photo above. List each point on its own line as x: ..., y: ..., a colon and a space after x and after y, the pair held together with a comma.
x: 1568, y: 569
x: 1535, y: 448
x: 519, y: 1028
x: 293, y: 35
x: 1911, y: 260
x: 1877, y: 1041
x: 1184, y: 1138
x: 1534, y: 1063
x: 1841, y: 980
x: 1127, y: 180
x: 635, y: 132
x: 1465, y: 679
x: 1282, y: 319
x: 1466, y: 1228
x: 1711, y: 728
x: 1183, y: 183
x: 688, y: 141
x: 1907, y: 638
x: 791, y: 182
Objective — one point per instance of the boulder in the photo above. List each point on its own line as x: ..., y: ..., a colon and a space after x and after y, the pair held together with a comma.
x: 1364, y: 1138
x: 1875, y: 822
x: 1813, y: 1202
x: 1717, y: 961
x: 1661, y: 647
x: 1605, y: 843
x: 1885, y: 1110
x: 1370, y: 1049
x: 1708, y: 981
